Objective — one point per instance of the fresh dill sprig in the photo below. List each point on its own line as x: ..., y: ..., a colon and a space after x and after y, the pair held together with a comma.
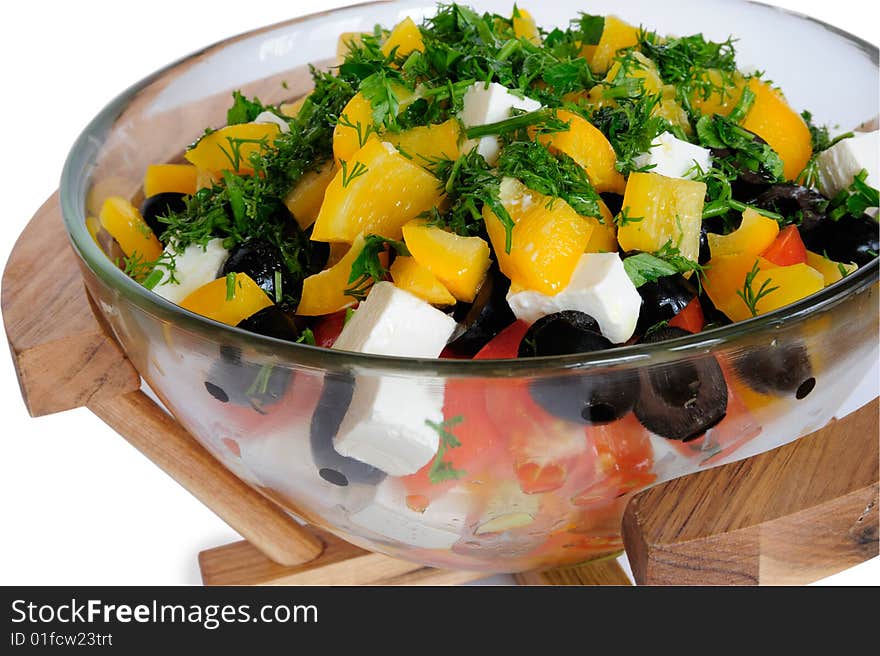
x: 357, y: 170
x: 441, y: 469
x: 748, y: 294
x: 367, y: 268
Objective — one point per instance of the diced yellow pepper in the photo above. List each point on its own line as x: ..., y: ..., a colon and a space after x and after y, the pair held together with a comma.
x: 304, y: 200
x: 547, y: 242
x: 754, y: 236
x: 661, y: 210
x: 604, y: 236
x: 773, y: 119
x: 164, y: 178
x: 832, y: 271
x: 406, y: 37
x: 376, y: 193
x: 324, y: 292
x: 428, y: 142
x: 717, y: 92
x: 459, y: 263
x: 586, y: 145
x: 418, y: 280
x: 215, y: 301
x: 230, y: 148
x: 356, y: 124
x: 126, y: 225
x: 616, y: 36
x: 524, y: 26
x: 792, y: 282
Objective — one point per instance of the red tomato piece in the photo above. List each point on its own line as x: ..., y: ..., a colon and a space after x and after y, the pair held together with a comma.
x: 504, y: 345
x: 327, y: 329
x: 787, y: 249
x: 690, y: 318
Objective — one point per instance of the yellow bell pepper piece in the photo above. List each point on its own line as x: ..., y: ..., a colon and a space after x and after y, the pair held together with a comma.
x: 406, y: 37
x: 304, y: 200
x: 831, y: 271
x: 418, y: 280
x: 524, y: 26
x: 661, y: 210
x: 754, y: 236
x: 126, y: 225
x: 616, y: 36
x: 324, y: 292
x: 229, y: 300
x: 164, y: 178
x: 428, y: 142
x: 459, y: 263
x: 377, y: 192
x: 230, y: 148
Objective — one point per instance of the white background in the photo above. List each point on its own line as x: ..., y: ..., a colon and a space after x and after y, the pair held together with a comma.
x: 78, y: 505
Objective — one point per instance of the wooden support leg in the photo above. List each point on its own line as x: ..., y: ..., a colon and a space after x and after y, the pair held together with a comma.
x: 791, y: 515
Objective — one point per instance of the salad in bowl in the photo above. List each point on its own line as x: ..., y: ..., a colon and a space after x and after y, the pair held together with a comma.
x: 459, y: 300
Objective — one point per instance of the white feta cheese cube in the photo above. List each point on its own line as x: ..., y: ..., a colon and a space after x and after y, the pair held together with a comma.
x: 389, y: 517
x: 271, y: 117
x: 844, y: 160
x: 386, y: 424
x: 194, y: 267
x: 674, y: 158
x: 484, y: 104
x: 599, y: 287
x: 394, y: 322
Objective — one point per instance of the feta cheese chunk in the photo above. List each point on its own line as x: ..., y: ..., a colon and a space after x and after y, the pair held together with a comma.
x: 483, y: 105
x: 386, y: 423
x: 194, y: 267
x: 674, y: 158
x: 599, y: 287
x: 271, y: 117
x: 844, y: 160
x: 394, y: 322
x: 389, y: 517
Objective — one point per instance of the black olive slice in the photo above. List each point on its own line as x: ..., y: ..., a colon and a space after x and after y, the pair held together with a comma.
x: 591, y: 398
x: 782, y: 369
x: 681, y: 400
x: 161, y: 205
x: 850, y: 239
x: 614, y: 202
x: 329, y: 413
x: 272, y: 321
x: 561, y: 333
x: 792, y: 200
x: 261, y: 261
x: 663, y: 299
x: 487, y: 316
x: 246, y: 384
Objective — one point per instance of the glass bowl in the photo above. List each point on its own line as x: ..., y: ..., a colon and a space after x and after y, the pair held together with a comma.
x: 527, y: 490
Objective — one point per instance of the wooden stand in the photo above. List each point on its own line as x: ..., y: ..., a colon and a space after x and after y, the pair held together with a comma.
x: 791, y: 515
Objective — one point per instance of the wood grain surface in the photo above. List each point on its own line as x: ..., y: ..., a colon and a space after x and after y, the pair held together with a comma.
x: 602, y: 572
x: 341, y: 563
x: 62, y: 356
x: 788, y: 516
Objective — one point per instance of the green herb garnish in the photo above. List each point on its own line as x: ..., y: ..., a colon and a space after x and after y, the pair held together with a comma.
x: 748, y: 294
x: 367, y: 269
x: 442, y: 470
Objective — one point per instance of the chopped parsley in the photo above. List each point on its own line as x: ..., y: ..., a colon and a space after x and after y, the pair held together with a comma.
x: 367, y: 268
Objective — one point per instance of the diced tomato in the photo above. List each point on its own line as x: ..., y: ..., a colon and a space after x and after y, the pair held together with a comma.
x: 625, y: 460
x: 505, y: 344
x: 690, y: 318
x: 481, y: 443
x: 787, y: 249
x: 327, y: 329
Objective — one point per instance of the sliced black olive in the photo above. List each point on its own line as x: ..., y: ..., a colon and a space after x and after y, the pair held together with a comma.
x: 261, y: 261
x: 592, y: 398
x: 161, y: 205
x: 487, y: 316
x: 782, y: 369
x: 332, y: 466
x: 663, y: 299
x: 794, y: 202
x: 561, y: 333
x: 681, y: 400
x: 273, y: 321
x: 721, y: 224
x: 711, y: 314
x: 850, y: 239
x: 230, y: 380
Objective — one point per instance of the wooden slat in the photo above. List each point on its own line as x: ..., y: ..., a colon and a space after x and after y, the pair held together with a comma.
x: 62, y: 356
x: 341, y: 563
x: 603, y: 572
x: 791, y: 515
x: 155, y: 434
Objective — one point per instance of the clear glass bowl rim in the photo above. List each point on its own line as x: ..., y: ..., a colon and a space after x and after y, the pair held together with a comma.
x: 72, y: 190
